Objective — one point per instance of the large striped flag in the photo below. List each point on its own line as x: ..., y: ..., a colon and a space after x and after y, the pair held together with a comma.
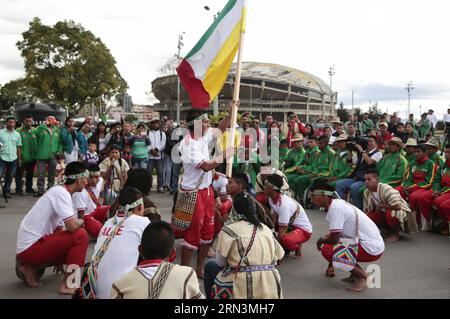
x: 204, y: 70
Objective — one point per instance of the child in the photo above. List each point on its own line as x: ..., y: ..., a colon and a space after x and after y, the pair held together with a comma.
x: 126, y: 155
x: 60, y: 167
x: 92, y: 157
x: 156, y: 277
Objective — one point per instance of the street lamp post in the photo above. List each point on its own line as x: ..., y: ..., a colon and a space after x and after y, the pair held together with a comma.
x: 180, y: 45
x: 331, y: 73
x: 409, y: 89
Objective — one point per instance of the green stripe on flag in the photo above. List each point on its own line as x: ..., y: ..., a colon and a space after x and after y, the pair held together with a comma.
x: 211, y: 29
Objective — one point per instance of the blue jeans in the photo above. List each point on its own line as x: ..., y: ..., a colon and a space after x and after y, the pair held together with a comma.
x: 211, y: 271
x: 345, y: 185
x: 9, y: 169
x: 175, y: 176
x: 158, y: 164
x: 139, y: 163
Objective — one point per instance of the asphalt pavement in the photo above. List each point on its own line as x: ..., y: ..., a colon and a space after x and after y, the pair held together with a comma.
x: 415, y: 267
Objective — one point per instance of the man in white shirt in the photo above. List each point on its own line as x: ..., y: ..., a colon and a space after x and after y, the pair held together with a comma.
x: 157, y: 145
x: 198, y: 167
x: 432, y: 118
x: 41, y: 242
x: 294, y: 227
x: 89, y: 205
x: 122, y: 254
x: 347, y: 221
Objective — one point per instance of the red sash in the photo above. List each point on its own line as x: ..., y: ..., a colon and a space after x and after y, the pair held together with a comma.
x: 93, y: 197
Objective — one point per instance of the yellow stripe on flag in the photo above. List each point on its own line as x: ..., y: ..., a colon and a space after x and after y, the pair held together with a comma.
x: 220, y: 66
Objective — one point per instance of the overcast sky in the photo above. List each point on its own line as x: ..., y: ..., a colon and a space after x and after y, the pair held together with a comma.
x: 377, y: 47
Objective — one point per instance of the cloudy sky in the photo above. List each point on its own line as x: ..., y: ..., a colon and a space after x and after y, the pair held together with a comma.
x: 377, y: 47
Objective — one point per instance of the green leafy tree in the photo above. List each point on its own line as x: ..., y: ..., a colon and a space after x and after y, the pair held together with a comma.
x: 131, y: 118
x: 67, y: 64
x: 343, y: 113
x: 15, y: 91
x: 375, y: 113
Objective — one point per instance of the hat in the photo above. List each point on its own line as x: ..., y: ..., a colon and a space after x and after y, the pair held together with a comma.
x: 340, y: 138
x: 411, y: 142
x: 430, y: 110
x: 297, y: 137
x: 397, y: 141
x: 383, y: 124
x: 434, y: 142
x: 156, y: 119
x: 336, y: 122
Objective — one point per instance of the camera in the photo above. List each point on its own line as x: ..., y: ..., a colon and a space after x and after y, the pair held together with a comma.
x: 351, y: 146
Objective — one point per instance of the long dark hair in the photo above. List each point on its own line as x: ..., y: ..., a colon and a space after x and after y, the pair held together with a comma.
x: 245, y: 205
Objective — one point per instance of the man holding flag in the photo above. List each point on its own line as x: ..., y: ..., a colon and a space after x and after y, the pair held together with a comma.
x: 203, y: 73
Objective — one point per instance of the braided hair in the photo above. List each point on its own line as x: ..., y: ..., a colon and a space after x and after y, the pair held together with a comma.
x: 245, y: 205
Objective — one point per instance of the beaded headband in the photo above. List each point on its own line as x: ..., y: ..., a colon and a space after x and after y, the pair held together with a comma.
x: 202, y: 117
x: 267, y: 183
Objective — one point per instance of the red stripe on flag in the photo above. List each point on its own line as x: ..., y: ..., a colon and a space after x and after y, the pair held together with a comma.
x: 194, y: 87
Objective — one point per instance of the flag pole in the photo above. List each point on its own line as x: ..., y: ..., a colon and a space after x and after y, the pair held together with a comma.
x: 234, y: 110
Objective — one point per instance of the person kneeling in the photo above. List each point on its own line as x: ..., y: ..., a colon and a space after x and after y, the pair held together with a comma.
x: 41, y: 240
x: 294, y: 227
x: 347, y: 223
x: 246, y: 257
x: 88, y: 203
x: 166, y: 280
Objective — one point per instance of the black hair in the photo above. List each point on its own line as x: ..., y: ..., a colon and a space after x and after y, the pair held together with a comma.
x: 140, y: 179
x: 10, y: 118
x: 141, y: 125
x: 447, y: 146
x: 67, y: 120
x: 191, y: 115
x: 161, y: 233
x: 275, y: 180
x: 245, y: 205
x: 93, y: 168
x: 129, y: 195
x: 241, y: 179
x: 422, y: 147
x: 323, y: 138
x: 284, y: 141
x: 321, y: 184
x: 400, y: 124
x: 74, y: 168
x: 372, y: 171
x: 115, y: 147
x: 28, y: 116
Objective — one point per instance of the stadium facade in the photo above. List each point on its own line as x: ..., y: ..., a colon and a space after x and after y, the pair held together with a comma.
x: 266, y: 89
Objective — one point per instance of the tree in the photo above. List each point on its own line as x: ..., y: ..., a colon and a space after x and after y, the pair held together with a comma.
x: 343, y: 113
x: 68, y: 65
x: 375, y: 113
x: 131, y: 118
x: 15, y: 91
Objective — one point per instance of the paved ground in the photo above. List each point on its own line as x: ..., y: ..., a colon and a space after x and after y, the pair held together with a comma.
x: 416, y: 267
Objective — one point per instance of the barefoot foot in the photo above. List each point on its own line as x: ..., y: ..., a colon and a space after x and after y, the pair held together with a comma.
x: 358, y: 286
x: 299, y: 253
x: 349, y: 279
x: 29, y: 274
x: 330, y: 272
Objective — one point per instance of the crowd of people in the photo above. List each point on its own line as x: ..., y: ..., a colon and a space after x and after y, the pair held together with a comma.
x: 374, y: 180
